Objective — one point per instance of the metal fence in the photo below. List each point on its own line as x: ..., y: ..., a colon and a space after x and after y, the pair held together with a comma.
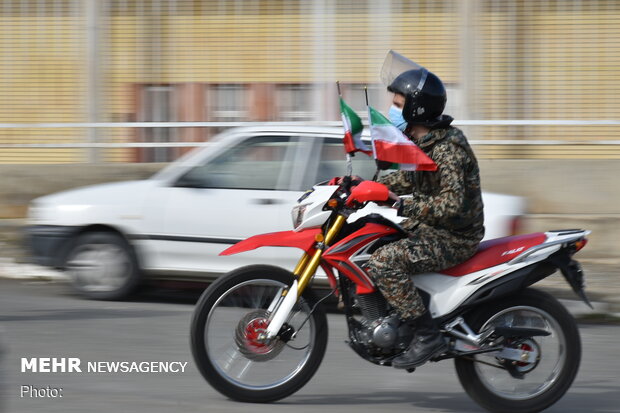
x: 135, y: 81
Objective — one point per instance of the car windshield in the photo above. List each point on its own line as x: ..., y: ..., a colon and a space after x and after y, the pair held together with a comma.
x: 285, y: 162
x: 262, y: 162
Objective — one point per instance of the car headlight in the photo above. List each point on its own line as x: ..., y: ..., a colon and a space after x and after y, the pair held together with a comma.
x: 297, y: 213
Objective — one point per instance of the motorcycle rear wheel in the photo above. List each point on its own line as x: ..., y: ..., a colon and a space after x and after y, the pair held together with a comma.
x: 225, y: 327
x: 546, y: 378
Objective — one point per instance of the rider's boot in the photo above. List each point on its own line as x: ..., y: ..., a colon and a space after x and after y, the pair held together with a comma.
x: 427, y: 343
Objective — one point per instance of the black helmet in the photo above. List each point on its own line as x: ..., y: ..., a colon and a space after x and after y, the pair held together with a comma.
x: 425, y: 95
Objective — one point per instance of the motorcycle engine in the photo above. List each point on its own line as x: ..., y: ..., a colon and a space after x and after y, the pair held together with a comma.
x: 380, y: 330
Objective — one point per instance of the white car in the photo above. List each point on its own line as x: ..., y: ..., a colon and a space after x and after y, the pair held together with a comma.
x: 173, y: 225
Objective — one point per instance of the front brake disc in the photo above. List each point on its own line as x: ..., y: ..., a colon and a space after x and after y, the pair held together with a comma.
x: 248, y: 337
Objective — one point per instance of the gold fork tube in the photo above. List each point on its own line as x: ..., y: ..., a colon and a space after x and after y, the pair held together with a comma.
x: 301, y: 264
x: 335, y: 229
x: 308, y: 272
x: 311, y: 267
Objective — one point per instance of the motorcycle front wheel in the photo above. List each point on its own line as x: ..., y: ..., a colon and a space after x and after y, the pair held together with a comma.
x: 225, y: 336
x: 540, y: 379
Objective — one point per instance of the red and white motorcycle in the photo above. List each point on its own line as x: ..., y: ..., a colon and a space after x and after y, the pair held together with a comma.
x: 258, y: 334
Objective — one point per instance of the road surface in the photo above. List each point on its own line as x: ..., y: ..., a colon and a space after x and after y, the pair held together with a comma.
x: 43, y: 320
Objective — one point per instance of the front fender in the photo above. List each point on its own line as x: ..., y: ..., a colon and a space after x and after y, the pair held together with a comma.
x: 303, y: 239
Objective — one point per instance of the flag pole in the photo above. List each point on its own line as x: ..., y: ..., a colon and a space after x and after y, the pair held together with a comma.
x: 348, y: 155
x: 376, y: 175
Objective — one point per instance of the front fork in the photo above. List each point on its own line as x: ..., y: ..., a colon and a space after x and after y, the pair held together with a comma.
x: 304, y: 271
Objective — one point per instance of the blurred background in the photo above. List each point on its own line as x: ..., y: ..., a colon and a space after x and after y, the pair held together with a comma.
x: 534, y: 84
x: 102, y: 90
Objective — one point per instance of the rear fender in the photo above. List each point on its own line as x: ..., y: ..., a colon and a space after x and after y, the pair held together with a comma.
x: 520, y: 332
x: 504, y: 286
x: 572, y: 272
x: 304, y: 240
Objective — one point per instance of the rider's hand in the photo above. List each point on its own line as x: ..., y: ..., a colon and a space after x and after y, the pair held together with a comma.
x: 398, y: 202
x: 393, y: 200
x: 393, y: 197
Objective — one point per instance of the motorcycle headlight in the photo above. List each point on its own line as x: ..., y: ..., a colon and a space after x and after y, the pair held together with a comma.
x: 297, y: 213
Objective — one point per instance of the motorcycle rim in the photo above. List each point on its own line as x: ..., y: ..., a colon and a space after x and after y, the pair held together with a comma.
x: 541, y: 371
x: 231, y: 332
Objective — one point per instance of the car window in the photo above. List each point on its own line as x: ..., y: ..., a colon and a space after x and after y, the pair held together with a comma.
x: 332, y: 162
x: 262, y: 162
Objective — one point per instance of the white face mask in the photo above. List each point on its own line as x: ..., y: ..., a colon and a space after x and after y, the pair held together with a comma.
x: 396, y: 117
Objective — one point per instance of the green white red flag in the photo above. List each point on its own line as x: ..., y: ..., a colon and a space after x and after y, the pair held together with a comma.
x: 352, y: 130
x: 391, y: 145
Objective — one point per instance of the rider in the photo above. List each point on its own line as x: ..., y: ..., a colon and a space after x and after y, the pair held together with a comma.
x: 444, y: 215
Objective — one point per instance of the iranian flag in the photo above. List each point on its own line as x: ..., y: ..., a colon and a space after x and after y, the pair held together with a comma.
x: 391, y: 145
x: 352, y: 130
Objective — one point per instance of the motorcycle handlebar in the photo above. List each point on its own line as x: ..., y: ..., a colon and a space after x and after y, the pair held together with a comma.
x: 368, y: 191
x: 356, y: 192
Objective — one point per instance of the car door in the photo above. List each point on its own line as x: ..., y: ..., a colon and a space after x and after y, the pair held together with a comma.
x: 247, y: 189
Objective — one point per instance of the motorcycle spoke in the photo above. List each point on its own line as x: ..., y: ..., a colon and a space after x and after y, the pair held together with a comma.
x: 233, y: 356
x: 309, y: 315
x: 234, y: 360
x: 244, y: 369
x: 259, y: 298
x: 297, y: 348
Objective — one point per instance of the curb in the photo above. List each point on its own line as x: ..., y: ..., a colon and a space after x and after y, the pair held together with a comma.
x: 602, y: 312
x: 28, y: 272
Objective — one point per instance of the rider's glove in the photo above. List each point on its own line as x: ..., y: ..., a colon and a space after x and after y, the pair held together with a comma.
x: 398, y: 205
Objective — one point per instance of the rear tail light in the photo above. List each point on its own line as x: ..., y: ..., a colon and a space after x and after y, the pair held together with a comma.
x: 580, y: 244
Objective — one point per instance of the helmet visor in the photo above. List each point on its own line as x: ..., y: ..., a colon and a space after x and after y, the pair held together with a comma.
x: 395, y: 64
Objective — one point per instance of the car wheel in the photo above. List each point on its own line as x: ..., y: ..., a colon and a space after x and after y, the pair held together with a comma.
x: 102, y: 266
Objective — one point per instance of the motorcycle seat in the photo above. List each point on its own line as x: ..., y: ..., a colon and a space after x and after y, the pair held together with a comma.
x: 495, y: 252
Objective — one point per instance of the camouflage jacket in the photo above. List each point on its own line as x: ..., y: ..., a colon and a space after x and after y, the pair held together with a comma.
x: 448, y: 198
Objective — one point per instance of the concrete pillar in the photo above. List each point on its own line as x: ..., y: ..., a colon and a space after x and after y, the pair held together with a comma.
x: 94, y: 38
x: 190, y: 104
x: 262, y: 105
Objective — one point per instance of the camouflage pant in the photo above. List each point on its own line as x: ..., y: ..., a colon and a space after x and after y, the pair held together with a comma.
x: 426, y: 250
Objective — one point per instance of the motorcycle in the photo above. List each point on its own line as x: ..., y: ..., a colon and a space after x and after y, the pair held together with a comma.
x: 258, y: 334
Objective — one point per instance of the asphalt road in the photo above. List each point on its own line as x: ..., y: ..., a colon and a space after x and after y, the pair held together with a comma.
x: 44, y: 320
